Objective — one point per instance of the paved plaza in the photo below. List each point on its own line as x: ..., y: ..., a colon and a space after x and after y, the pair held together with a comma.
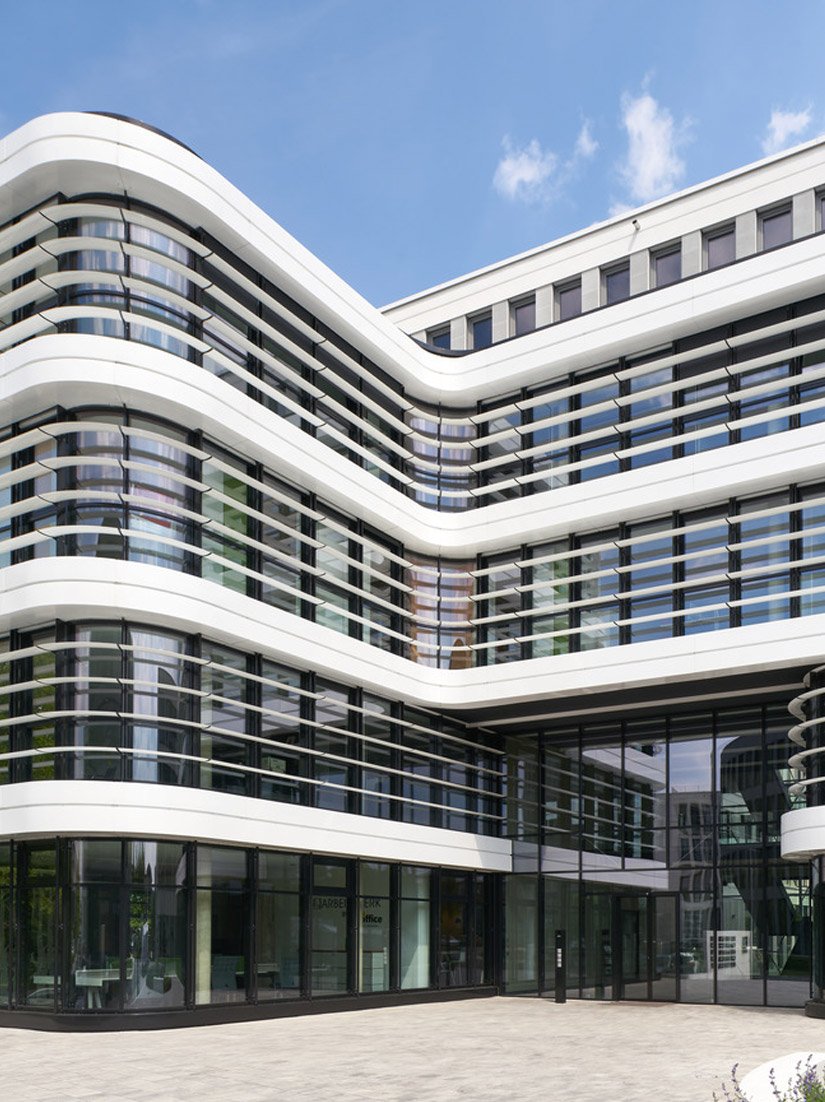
x: 480, y: 1049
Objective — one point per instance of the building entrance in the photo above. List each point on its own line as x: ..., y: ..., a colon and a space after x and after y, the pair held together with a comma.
x: 630, y: 946
x: 645, y: 946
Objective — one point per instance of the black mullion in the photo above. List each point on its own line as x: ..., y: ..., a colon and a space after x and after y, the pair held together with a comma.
x: 355, y: 577
x: 574, y: 591
x: 435, y: 927
x: 196, y: 532
x: 124, y: 890
x: 625, y: 586
x: 308, y: 557
x: 624, y: 414
x: 795, y: 551
x: 717, y: 860
x: 541, y: 978
x: 395, y: 928
x: 191, y: 890
x: 794, y: 372
x: 528, y: 599
x: 195, y: 650
x: 196, y: 298
x: 734, y: 564
x: 254, y: 721
x: 678, y: 575
x: 254, y: 529
x: 305, y: 917
x: 250, y: 899
x: 355, y: 752
x: 307, y: 738
x: 396, y: 807
x: 353, y: 925
x: 525, y: 601
x: 763, y: 855
x: 735, y: 366
x: 126, y: 657
x: 65, y: 694
x: 63, y: 915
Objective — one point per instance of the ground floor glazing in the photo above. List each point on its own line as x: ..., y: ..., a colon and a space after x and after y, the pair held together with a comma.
x: 107, y: 925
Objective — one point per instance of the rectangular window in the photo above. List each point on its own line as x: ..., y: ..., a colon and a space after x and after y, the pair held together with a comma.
x: 720, y: 248
x: 569, y: 301
x: 617, y: 284
x: 775, y: 228
x: 524, y: 316
x: 481, y: 331
x: 439, y: 338
x: 667, y: 266
x: 820, y: 211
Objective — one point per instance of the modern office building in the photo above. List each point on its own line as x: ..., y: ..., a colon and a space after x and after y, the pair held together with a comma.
x: 351, y: 655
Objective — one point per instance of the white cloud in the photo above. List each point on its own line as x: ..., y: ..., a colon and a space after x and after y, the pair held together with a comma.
x: 652, y: 166
x: 524, y: 173
x: 586, y: 144
x: 784, y: 128
x: 532, y: 174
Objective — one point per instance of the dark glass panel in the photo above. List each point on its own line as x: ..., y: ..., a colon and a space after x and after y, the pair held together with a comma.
x: 329, y: 937
x: 96, y: 861
x: 569, y: 301
x: 720, y: 248
x: 667, y: 267
x: 617, y: 284
x: 521, y: 934
x: 777, y: 229
x: 156, y: 863
x: 278, y: 944
x: 524, y: 317
x: 220, y: 867
x: 156, y: 961
x: 482, y: 331
x: 94, y: 951
x: 789, y: 934
x: 561, y: 913
x: 220, y: 956
x: 39, y: 968
x: 737, y: 949
x: 279, y: 871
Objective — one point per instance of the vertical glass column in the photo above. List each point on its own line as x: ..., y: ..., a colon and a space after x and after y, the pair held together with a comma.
x: 38, y: 979
x: 95, y: 981
x: 521, y: 934
x: 375, y: 927
x: 330, y: 928
x: 414, y: 948
x: 5, y: 923
x: 155, y: 973
x: 221, y: 925
x: 278, y: 927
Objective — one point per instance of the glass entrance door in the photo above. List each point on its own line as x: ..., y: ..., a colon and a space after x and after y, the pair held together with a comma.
x: 646, y: 946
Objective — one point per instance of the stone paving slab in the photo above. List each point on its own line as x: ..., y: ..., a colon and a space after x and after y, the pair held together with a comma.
x: 483, y: 1049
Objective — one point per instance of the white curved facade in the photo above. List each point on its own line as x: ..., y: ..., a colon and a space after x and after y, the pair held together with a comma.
x: 506, y: 583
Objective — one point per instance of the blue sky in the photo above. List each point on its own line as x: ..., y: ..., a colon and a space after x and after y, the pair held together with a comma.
x: 408, y: 142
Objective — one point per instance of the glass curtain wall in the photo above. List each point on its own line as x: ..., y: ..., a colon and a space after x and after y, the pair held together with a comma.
x: 103, y: 925
x: 660, y: 861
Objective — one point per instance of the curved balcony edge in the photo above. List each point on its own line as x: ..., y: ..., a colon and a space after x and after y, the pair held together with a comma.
x: 130, y: 809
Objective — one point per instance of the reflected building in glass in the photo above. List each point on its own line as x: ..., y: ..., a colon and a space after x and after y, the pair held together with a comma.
x: 352, y: 656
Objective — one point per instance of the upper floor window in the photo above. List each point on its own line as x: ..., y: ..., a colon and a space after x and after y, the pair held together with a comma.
x: 439, y: 338
x: 524, y: 316
x: 569, y: 300
x: 720, y: 247
x: 667, y: 266
x: 481, y: 331
x: 775, y: 228
x: 820, y: 211
x: 617, y: 283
